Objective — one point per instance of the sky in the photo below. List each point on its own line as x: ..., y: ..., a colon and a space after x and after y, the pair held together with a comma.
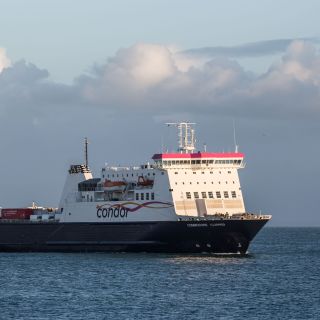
x: 115, y: 71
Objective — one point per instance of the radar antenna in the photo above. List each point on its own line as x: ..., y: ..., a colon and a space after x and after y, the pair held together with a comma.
x: 186, y: 137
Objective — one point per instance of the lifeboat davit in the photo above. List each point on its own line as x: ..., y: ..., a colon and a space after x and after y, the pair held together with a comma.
x: 114, y: 185
x: 144, y: 182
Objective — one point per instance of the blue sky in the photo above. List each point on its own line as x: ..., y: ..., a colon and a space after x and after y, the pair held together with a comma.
x: 115, y: 71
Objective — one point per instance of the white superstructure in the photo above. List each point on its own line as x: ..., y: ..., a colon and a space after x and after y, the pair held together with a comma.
x: 175, y: 186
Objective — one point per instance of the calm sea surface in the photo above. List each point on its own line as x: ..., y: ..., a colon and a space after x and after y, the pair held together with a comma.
x: 280, y: 279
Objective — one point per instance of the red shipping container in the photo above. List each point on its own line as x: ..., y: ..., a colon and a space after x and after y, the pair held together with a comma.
x: 16, y: 213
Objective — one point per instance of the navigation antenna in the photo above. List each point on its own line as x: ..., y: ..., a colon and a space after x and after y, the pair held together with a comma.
x: 186, y: 137
x: 236, y: 147
x: 86, y: 152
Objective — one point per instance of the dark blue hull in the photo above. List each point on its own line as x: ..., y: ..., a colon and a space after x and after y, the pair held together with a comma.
x: 215, y: 236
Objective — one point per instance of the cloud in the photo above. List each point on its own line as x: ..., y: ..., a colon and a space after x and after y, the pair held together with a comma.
x: 252, y: 49
x: 4, y: 60
x: 152, y: 79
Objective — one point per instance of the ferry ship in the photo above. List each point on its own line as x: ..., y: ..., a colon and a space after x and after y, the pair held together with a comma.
x: 184, y: 201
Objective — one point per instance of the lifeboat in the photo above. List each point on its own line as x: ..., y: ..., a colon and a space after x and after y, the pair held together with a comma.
x: 114, y: 185
x: 144, y: 182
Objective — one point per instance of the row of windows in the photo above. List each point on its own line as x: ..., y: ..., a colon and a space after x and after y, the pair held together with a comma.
x: 204, y: 182
x: 202, y: 172
x: 175, y: 162
x: 145, y: 196
x: 206, y: 195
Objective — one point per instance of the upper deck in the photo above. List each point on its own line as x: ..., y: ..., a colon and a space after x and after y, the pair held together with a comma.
x: 200, y: 159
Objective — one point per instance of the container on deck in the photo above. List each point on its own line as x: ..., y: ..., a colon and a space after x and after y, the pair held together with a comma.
x: 16, y: 213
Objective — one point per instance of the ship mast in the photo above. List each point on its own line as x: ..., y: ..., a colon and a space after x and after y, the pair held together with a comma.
x: 186, y: 137
x: 86, y: 152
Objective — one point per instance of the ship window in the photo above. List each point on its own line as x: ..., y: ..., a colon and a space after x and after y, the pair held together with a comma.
x: 182, y: 182
x: 204, y: 161
x: 218, y: 193
x: 147, y: 196
x: 226, y: 182
x: 233, y: 182
x: 176, y: 183
x: 204, y: 195
x: 181, y: 161
x: 197, y: 182
x: 173, y: 162
x: 226, y: 194
x: 211, y: 172
x: 204, y: 183
x: 103, y: 176
x: 193, y: 161
x: 169, y: 163
x: 198, y: 161
x: 148, y: 173
x: 233, y: 194
x: 176, y: 172
x: 196, y: 195
x: 137, y: 196
x: 188, y: 195
x: 152, y: 195
x: 127, y: 175
x: 190, y: 182
x: 185, y: 161
x: 210, y: 194
x: 229, y: 171
x: 211, y: 161
x: 162, y: 173
x: 113, y: 176
x: 165, y: 162
x: 194, y: 172
x: 202, y: 172
x: 142, y: 196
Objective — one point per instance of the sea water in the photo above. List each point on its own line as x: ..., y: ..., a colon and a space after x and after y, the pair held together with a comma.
x: 278, y: 279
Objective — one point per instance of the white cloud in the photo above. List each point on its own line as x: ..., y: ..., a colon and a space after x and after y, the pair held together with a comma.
x: 155, y: 79
x: 4, y: 60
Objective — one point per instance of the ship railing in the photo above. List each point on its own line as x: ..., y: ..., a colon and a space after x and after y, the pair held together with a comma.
x: 114, y: 168
x: 243, y: 216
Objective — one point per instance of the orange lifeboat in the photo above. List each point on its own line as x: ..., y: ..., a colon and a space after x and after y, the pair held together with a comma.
x: 144, y: 182
x: 114, y: 185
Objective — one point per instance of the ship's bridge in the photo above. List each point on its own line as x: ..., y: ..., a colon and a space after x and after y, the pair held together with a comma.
x: 200, y: 159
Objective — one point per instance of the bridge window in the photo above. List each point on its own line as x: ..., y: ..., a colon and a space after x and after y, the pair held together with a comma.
x: 142, y: 196
x: 152, y: 195
x: 147, y: 196
x: 137, y: 196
